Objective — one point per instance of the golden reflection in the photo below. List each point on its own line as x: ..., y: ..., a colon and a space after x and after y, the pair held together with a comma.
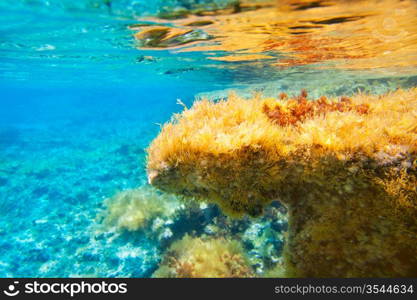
x: 355, y: 34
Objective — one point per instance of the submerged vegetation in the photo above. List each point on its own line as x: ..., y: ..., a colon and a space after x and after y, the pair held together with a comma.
x: 346, y: 169
x: 134, y: 209
x: 197, y: 239
x: 258, y: 185
x: 205, y: 258
x: 300, y: 109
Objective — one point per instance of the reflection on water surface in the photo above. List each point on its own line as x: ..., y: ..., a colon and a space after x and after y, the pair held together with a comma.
x: 357, y: 34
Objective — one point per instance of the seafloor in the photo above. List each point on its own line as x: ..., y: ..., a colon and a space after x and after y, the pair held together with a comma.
x: 85, y: 86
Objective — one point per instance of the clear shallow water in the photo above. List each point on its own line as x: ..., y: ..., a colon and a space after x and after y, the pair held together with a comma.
x: 80, y: 104
x: 79, y: 107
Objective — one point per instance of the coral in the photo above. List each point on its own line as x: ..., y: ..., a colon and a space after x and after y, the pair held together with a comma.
x: 346, y: 174
x: 204, y: 258
x: 134, y: 209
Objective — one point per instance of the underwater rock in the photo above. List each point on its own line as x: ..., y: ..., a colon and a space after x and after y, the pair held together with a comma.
x: 346, y: 169
x: 265, y: 245
x: 164, y: 37
x: 204, y: 258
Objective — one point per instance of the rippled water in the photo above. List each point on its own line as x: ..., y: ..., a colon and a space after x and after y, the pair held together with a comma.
x: 81, y: 99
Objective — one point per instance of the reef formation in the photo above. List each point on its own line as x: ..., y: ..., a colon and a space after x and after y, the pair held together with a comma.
x: 345, y: 168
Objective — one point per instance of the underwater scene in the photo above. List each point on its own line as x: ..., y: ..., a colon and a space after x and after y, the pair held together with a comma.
x: 208, y: 138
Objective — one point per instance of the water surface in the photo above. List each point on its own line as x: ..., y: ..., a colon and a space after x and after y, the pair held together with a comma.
x: 81, y: 99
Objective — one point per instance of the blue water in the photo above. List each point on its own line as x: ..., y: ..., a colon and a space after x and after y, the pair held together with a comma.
x: 79, y: 104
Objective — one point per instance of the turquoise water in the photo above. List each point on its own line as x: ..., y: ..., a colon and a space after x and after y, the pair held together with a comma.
x: 79, y: 105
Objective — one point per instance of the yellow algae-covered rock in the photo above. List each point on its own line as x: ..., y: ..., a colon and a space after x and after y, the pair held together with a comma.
x: 204, y: 258
x: 345, y: 168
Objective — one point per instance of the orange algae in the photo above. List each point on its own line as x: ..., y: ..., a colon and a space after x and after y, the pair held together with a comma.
x: 204, y: 258
x: 348, y: 176
x: 300, y: 109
